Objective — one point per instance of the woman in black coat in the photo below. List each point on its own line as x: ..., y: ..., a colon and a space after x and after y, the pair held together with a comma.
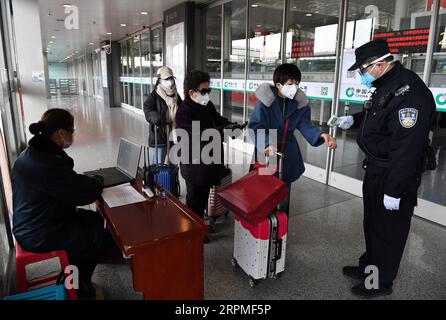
x: 160, y: 109
x: 46, y: 193
x: 200, y: 177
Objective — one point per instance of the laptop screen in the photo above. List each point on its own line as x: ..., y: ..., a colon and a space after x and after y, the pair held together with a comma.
x: 128, y: 157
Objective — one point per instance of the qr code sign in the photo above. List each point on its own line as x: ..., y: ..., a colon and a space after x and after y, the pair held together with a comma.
x: 324, y: 91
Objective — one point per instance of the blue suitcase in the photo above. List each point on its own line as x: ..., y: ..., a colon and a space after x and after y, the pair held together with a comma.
x: 165, y: 175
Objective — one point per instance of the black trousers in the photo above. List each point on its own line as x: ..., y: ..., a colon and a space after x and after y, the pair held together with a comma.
x: 84, y: 239
x: 385, y: 231
x: 197, y: 198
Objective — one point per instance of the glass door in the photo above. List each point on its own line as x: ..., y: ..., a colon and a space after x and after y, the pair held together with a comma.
x: 311, y: 34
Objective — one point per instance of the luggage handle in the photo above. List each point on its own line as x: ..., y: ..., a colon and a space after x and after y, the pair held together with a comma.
x: 167, y: 142
x: 227, y: 153
x: 281, y: 156
x: 278, y: 254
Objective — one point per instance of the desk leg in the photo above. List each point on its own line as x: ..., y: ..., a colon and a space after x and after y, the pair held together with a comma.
x: 170, y: 269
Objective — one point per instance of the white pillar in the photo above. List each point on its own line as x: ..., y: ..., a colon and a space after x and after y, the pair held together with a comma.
x: 30, y: 60
x: 401, y: 7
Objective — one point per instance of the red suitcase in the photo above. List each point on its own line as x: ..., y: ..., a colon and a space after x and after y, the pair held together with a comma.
x: 254, y: 196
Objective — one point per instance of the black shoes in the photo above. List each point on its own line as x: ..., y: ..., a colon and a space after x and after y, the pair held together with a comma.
x: 361, y: 291
x: 353, y: 272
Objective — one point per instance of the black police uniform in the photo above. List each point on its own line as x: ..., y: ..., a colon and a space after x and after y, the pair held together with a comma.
x: 393, y: 134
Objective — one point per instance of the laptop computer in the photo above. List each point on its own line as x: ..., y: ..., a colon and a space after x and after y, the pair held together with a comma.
x: 126, y: 165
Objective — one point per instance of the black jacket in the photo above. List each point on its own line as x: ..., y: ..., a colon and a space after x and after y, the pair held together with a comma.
x: 155, y: 109
x: 200, y: 174
x: 46, y: 191
x: 398, y: 130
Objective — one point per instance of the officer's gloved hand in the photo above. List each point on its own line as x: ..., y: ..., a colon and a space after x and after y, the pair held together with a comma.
x: 346, y: 122
x: 391, y: 203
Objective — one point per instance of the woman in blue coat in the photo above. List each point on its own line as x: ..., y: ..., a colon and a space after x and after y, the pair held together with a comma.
x: 274, y: 106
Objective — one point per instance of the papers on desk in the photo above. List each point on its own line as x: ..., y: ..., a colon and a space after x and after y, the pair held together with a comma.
x: 121, y: 195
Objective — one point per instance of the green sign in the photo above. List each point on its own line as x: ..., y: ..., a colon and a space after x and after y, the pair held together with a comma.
x: 350, y: 92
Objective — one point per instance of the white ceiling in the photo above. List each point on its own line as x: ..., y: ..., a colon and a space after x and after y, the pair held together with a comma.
x: 96, y: 19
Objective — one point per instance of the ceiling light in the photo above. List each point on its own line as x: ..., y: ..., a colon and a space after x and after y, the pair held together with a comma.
x: 109, y: 33
x: 254, y: 5
x: 67, y: 5
x: 51, y: 42
x: 144, y: 12
x: 123, y: 25
x: 309, y: 14
x: 91, y: 43
x: 53, y: 37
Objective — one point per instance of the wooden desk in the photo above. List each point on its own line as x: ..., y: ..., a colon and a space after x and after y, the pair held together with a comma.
x: 164, y: 241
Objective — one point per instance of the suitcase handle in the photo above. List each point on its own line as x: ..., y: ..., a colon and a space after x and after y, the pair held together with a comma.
x: 278, y: 250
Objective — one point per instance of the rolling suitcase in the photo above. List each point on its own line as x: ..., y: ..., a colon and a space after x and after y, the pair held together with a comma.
x: 259, y: 250
x: 215, y: 207
x: 260, y: 230
x: 165, y: 175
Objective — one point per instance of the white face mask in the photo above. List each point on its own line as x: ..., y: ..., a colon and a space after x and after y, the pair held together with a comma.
x: 289, y: 90
x: 167, y: 83
x: 203, y: 100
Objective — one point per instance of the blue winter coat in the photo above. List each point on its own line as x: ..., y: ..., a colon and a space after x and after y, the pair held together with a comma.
x: 271, y: 117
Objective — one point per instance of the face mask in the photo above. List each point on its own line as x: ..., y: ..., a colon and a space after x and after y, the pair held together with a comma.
x: 367, y: 80
x: 167, y: 83
x: 202, y: 99
x: 289, y: 90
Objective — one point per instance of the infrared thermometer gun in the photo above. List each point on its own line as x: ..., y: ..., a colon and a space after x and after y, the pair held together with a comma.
x: 334, y: 121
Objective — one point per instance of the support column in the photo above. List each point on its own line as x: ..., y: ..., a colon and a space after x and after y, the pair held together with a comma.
x: 30, y: 61
x: 401, y: 7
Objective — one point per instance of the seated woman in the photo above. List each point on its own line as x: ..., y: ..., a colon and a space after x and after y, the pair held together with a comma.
x: 46, y: 193
x: 274, y: 106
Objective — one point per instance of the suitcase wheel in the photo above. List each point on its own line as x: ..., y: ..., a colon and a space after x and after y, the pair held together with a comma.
x: 252, y: 282
x: 277, y: 276
x: 234, y: 263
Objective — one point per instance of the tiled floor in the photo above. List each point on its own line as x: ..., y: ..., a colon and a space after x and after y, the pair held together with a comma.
x: 325, y: 231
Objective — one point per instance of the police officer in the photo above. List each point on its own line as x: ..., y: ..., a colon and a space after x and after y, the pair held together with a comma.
x: 394, y: 129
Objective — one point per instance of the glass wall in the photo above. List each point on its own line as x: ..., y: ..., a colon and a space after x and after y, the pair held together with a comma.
x: 265, y: 21
x: 141, y: 56
x: 309, y: 38
x: 137, y: 86
x: 157, y: 58
x: 234, y: 52
x: 434, y: 182
x: 400, y: 24
x: 311, y: 33
x: 212, y: 51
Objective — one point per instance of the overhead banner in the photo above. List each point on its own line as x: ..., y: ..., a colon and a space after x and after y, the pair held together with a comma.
x: 314, y: 90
